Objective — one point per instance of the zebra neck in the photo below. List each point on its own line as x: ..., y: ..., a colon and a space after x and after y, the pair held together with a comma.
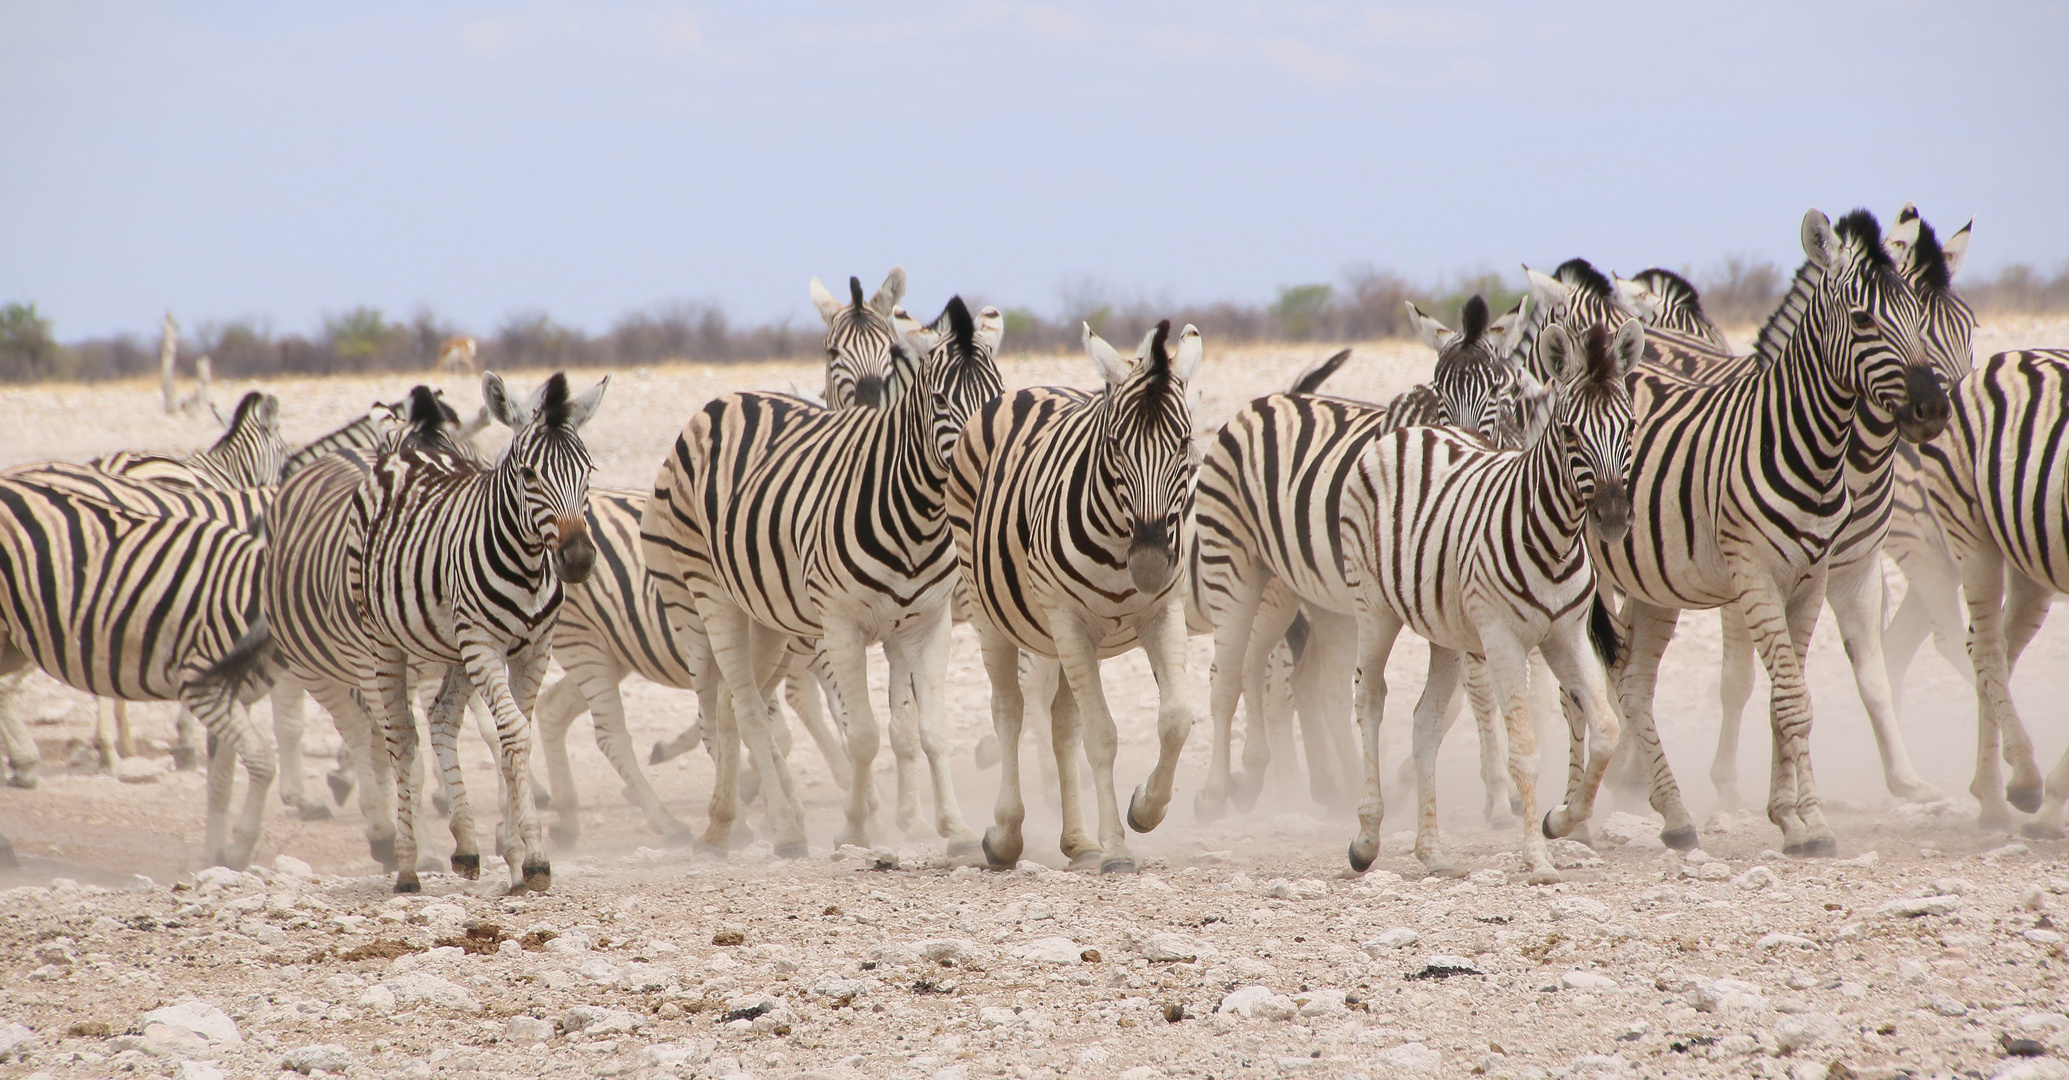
x: 500, y: 494
x: 1546, y: 487
x: 1779, y: 331
x: 916, y: 458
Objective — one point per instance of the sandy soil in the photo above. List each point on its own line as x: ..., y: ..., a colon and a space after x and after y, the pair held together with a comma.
x: 1613, y: 972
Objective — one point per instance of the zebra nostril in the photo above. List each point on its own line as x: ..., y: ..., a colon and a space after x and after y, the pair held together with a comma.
x: 869, y: 391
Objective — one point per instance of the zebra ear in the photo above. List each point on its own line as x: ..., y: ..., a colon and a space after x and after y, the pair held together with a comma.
x: 495, y: 397
x: 1902, y: 236
x: 890, y: 292
x: 1548, y: 291
x: 584, y: 405
x: 1105, y: 360
x: 1538, y: 403
x: 1635, y: 298
x: 1955, y: 248
x: 991, y: 328
x: 1433, y: 333
x: 1185, y: 361
x: 1509, y: 328
x: 1626, y: 349
x: 824, y: 301
x: 1556, y: 354
x: 902, y: 322
x: 1820, y: 243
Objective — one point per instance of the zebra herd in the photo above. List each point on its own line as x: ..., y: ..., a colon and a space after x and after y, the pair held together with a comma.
x: 1578, y: 471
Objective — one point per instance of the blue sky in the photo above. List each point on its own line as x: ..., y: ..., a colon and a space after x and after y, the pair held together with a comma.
x: 283, y: 160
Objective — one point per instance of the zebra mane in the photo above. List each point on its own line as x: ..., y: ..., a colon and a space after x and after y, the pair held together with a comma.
x: 1159, y: 356
x: 553, y: 411
x: 1781, y: 323
x: 245, y: 407
x: 1860, y: 229
x: 855, y: 291
x: 1582, y: 274
x: 1472, y: 322
x: 1601, y: 365
x: 1929, y: 261
x: 961, y: 327
x: 1672, y: 287
x: 428, y: 413
x: 1311, y: 380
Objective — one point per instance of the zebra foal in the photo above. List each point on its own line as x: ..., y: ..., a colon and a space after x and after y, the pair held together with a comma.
x: 1478, y: 550
x: 1070, y: 513
x: 456, y: 563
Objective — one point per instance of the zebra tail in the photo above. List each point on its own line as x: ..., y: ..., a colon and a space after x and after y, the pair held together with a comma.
x: 248, y: 664
x: 1602, y: 633
x: 1312, y: 379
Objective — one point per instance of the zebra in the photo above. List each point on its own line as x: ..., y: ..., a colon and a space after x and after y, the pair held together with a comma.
x: 451, y: 562
x: 1478, y: 550
x: 1071, y: 512
x: 1664, y: 300
x: 860, y: 340
x: 250, y: 453
x: 1740, y: 494
x: 142, y: 607
x: 1266, y: 521
x: 773, y: 517
x: 1998, y: 489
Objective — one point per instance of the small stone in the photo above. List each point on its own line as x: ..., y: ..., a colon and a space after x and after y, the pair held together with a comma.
x: 1488, y: 878
x: 599, y: 1020
x: 1587, y: 980
x: 2033, y: 899
x: 199, y: 1018
x: 1141, y: 1072
x: 1050, y: 950
x: 293, y: 867
x: 729, y: 938
x: 199, y: 1070
x: 1793, y: 1033
x: 1578, y: 907
x: 15, y: 1040
x: 526, y: 1030
x: 2015, y: 1046
x: 1622, y: 828
x: 1911, y: 907
x: 1758, y: 877
x: 1411, y: 1058
x: 841, y: 990
x: 1400, y: 937
x: 1946, y: 1005
x: 1777, y: 939
x: 329, y: 1057
x: 883, y: 858
x: 2031, y: 1069
x: 1172, y: 948
x: 1257, y: 1002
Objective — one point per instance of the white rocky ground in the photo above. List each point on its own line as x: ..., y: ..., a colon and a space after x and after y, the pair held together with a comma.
x: 1923, y: 951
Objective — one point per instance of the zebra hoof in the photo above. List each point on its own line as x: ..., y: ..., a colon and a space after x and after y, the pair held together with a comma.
x: 796, y: 850
x: 24, y: 779
x: 2040, y: 830
x: 440, y: 803
x: 564, y: 837
x: 997, y: 850
x: 2026, y: 799
x: 1504, y: 822
x: 1546, y: 826
x: 538, y: 877
x: 987, y: 751
x: 184, y: 758
x: 1122, y: 865
x: 658, y: 754
x: 1140, y: 817
x: 7, y: 859
x: 313, y: 811
x: 340, y: 784
x: 963, y: 849
x: 1680, y: 839
x: 1361, y: 861
x: 1207, y: 807
x: 383, y: 851
x: 408, y: 883
x: 1817, y: 847
x: 1544, y: 877
x: 678, y: 837
x: 1245, y: 790
x: 1443, y: 868
x: 1515, y: 805
x: 467, y: 866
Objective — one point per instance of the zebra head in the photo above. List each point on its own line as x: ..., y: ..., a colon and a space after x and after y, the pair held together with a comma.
x: 1147, y: 445
x: 1866, y: 305
x: 1574, y: 297
x: 1473, y: 378
x: 1947, y: 323
x: 859, y: 338
x: 547, y: 467
x: 1662, y: 298
x: 1591, y: 419
x: 957, y: 366
x: 251, y: 452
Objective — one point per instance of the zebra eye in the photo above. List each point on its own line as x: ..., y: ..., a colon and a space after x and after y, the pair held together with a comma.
x: 527, y: 472
x: 1863, y: 321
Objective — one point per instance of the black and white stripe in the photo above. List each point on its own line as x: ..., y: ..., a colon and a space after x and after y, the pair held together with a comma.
x: 1071, y: 512
x: 775, y: 514
x: 1478, y: 550
x: 251, y: 452
x: 859, y: 341
x: 1741, y: 494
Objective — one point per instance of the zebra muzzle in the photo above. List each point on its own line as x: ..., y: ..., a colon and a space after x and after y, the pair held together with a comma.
x: 1926, y: 408
x: 869, y: 391
x: 575, y: 556
x: 1610, y: 512
x: 1151, y: 559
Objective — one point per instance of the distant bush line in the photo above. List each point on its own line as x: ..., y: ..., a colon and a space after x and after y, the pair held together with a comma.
x: 1367, y: 305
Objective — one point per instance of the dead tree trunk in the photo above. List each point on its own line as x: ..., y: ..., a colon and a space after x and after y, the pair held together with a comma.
x: 168, y: 351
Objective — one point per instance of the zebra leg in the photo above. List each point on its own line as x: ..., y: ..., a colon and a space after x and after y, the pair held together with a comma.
x: 288, y: 724
x: 394, y: 714
x: 685, y: 741
x: 607, y: 710
x: 845, y: 650
x: 1734, y: 689
x: 1404, y: 774
x: 1377, y: 629
x: 235, y: 739
x: 1855, y: 593
x: 2047, y: 823
x: 1931, y: 607
x: 1039, y: 678
x: 1648, y: 630
x: 1507, y: 664
x: 744, y: 655
x: 1225, y: 692
x: 559, y: 707
x: 722, y: 740
x: 443, y: 719
x: 184, y: 757
x: 1585, y: 699
x: 366, y: 752
x: 1067, y: 744
x: 1163, y: 638
x: 923, y: 691
x: 1983, y: 587
x: 2025, y: 609
x: 1004, y: 841
x: 510, y: 693
x: 1428, y: 734
x: 1496, y: 793
x: 1265, y: 631
x: 22, y: 755
x: 125, y: 734
x: 104, y: 732
x: 804, y: 696
x: 1331, y: 741
x: 1283, y: 774
x: 1780, y: 626
x: 906, y: 749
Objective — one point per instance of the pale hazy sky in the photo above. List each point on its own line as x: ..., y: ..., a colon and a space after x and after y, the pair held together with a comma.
x: 284, y: 160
